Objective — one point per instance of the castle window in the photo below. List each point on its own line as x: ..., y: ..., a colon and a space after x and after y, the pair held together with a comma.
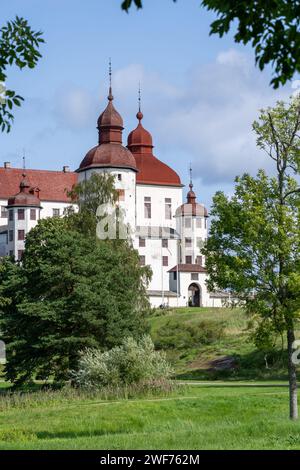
x: 188, y: 260
x: 11, y: 253
x: 55, y: 212
x: 198, y: 223
x: 165, y: 261
x: 121, y: 195
x: 188, y: 242
x: 3, y: 212
x: 11, y: 215
x: 21, y: 235
x: 205, y: 223
x: 11, y: 236
x: 20, y: 254
x: 164, y: 243
x: 142, y: 260
x: 194, y: 276
x: 147, y: 207
x: 175, y: 276
x: 168, y: 208
x: 199, y: 242
x: 199, y: 260
x: 32, y: 214
x: 188, y: 222
x: 21, y: 214
x: 119, y: 177
x: 142, y: 242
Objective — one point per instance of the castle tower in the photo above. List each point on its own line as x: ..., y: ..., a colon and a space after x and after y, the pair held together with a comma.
x: 191, y: 223
x: 110, y: 156
x: 23, y: 214
x: 189, y: 275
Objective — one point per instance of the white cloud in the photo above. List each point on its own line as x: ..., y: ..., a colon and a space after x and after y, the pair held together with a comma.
x: 74, y: 107
x: 208, y: 120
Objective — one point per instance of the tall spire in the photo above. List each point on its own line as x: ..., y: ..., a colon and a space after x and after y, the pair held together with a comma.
x: 139, y: 140
x: 139, y: 114
x: 110, y: 123
x: 191, y: 196
x: 24, y: 159
x: 191, y: 177
x: 110, y: 95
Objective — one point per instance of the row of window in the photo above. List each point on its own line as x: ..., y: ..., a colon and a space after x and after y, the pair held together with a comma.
x: 168, y: 213
x: 21, y: 235
x: 194, y: 276
x: 188, y: 222
x: 165, y: 260
x: 121, y: 197
x: 164, y: 242
x: 21, y: 213
x: 148, y: 211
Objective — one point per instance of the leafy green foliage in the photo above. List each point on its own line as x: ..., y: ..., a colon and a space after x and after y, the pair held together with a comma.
x: 19, y: 46
x: 99, y: 189
x: 70, y: 292
x: 254, y: 244
x: 271, y: 27
x: 133, y: 362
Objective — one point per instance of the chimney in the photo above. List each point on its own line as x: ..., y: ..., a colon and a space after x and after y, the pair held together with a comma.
x: 7, y: 165
x: 66, y: 169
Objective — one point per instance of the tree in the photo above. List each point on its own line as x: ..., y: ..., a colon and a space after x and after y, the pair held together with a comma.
x: 271, y: 27
x: 19, y: 45
x: 89, y: 195
x: 71, y: 291
x: 253, y: 248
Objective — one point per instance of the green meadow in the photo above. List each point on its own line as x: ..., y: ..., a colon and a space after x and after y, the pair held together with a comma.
x: 227, y: 397
x: 195, y: 417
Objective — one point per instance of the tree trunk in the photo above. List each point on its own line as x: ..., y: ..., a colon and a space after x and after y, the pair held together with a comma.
x: 292, y: 377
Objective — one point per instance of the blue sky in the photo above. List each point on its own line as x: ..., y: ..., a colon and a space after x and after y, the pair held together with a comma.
x: 200, y: 94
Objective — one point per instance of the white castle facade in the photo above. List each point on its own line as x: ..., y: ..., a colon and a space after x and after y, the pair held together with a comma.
x: 167, y: 233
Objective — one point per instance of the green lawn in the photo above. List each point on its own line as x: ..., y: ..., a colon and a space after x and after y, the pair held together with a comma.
x: 216, y: 415
x: 211, y: 417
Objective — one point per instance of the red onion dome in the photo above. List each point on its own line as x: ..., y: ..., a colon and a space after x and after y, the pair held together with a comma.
x: 25, y: 197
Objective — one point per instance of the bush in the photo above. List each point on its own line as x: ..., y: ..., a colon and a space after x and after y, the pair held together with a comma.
x: 133, y: 362
x: 182, y: 335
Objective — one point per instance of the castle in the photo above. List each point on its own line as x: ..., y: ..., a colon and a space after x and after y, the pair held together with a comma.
x: 167, y: 233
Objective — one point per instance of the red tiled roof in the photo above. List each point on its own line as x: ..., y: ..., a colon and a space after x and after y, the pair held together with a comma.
x: 150, y: 169
x: 52, y: 184
x: 153, y: 171
x: 188, y: 268
x: 25, y: 197
x: 112, y: 155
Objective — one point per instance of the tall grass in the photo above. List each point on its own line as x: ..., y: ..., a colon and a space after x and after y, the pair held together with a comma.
x: 10, y: 399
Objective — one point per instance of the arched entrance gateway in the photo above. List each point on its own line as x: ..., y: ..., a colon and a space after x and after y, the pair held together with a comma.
x: 194, y: 294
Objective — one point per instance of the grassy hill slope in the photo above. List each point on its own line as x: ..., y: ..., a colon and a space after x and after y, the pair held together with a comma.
x: 213, y: 343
